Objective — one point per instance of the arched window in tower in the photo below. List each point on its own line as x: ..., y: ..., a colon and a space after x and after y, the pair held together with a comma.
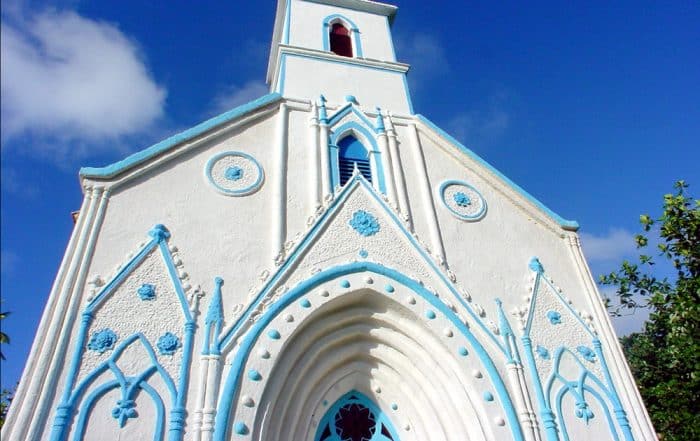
x: 341, y: 44
x: 353, y: 154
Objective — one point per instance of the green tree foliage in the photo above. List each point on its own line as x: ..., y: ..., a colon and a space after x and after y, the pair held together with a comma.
x: 4, y: 338
x: 6, y: 396
x: 665, y: 355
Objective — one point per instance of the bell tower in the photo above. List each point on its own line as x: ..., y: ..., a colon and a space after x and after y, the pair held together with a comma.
x: 338, y: 48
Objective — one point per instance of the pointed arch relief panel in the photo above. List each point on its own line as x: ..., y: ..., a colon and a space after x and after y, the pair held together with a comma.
x: 356, y: 417
x: 134, y: 344
x: 566, y: 361
x: 367, y: 328
x: 364, y: 133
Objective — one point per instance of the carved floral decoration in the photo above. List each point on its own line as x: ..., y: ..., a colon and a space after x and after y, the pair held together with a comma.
x: 364, y: 223
x: 168, y: 343
x: 102, y: 341
x: 147, y: 292
x: 124, y: 410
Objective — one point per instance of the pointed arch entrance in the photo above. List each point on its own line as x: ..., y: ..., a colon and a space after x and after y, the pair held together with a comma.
x: 366, y: 328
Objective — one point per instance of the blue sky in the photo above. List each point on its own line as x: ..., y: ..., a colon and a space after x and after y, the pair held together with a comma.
x: 592, y: 107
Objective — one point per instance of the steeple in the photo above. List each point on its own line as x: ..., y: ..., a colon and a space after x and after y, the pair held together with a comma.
x: 337, y: 48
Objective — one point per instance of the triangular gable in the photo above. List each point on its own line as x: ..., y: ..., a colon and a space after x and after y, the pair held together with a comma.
x: 570, y: 225
x: 408, y: 254
x: 137, y: 158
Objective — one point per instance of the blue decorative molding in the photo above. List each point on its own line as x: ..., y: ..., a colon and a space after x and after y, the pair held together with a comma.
x: 542, y: 352
x: 169, y: 143
x: 364, y: 223
x: 535, y: 265
x: 337, y: 18
x: 254, y: 375
x: 488, y: 396
x: 240, y: 428
x: 147, y: 292
x: 332, y: 425
x: 587, y: 353
x: 214, y: 320
x: 363, y: 253
x: 233, y: 173
x: 274, y: 334
x: 460, y: 205
x: 430, y: 314
x: 379, y: 123
x: 462, y: 199
x: 565, y: 224
x: 247, y: 341
x: 232, y: 190
x: 366, y: 135
x: 309, y: 239
x: 554, y: 317
x: 73, y: 398
x: 123, y: 411
x: 168, y: 343
x: 102, y: 341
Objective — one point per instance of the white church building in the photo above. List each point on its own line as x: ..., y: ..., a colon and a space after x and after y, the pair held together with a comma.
x: 322, y: 264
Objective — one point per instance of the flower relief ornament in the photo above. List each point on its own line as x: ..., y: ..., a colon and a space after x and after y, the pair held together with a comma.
x: 102, y: 341
x: 147, y: 291
x: 462, y: 200
x: 234, y: 173
x: 364, y: 223
x: 168, y: 343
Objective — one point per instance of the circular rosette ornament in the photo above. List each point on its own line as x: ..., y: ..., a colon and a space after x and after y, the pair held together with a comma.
x: 462, y: 200
x: 234, y: 173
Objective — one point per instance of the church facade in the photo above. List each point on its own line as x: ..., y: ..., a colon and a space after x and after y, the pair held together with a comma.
x: 322, y: 264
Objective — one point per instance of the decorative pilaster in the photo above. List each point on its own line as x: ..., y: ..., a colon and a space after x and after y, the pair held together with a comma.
x: 315, y: 175
x: 397, y: 168
x: 437, y: 246
x: 384, y: 153
x: 279, y: 205
x: 325, y: 165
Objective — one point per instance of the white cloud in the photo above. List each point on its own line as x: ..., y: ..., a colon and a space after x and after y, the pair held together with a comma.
x: 478, y: 127
x: 12, y: 183
x: 69, y: 78
x: 614, y: 245
x: 238, y: 95
x: 426, y: 55
x: 630, y: 320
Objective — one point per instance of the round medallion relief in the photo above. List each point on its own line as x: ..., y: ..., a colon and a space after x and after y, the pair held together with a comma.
x: 234, y: 173
x: 462, y: 200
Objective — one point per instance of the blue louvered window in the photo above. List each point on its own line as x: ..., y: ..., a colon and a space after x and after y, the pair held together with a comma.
x: 353, y: 154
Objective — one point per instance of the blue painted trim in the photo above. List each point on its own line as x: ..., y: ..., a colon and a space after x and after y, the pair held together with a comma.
x: 362, y: 133
x: 287, y: 23
x: 72, y: 394
x: 353, y: 397
x: 345, y: 61
x: 567, y: 388
x: 214, y: 319
x: 98, y: 393
x: 472, y: 218
x: 351, y: 108
x: 391, y: 39
x: 565, y: 224
x: 338, y: 18
x: 548, y: 421
x: 408, y: 93
x: 252, y: 188
x: 579, y: 385
x: 620, y: 413
x: 282, y: 75
x: 531, y: 313
x: 252, y: 335
x: 299, y: 252
x: 165, y: 145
